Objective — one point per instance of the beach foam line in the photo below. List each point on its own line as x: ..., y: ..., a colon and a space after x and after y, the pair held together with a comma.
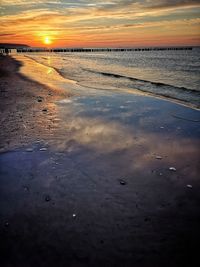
x: 189, y: 97
x: 145, y: 81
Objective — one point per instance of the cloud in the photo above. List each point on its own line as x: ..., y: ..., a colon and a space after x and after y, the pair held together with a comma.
x: 106, y: 4
x: 6, y: 34
x: 99, y: 20
x: 160, y: 4
x: 25, y: 2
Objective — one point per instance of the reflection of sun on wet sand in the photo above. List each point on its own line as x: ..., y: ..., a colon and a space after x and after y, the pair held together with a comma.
x: 42, y: 74
x: 107, y: 179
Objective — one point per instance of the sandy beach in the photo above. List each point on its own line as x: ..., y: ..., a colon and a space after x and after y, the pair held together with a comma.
x: 109, y: 179
x: 27, y: 108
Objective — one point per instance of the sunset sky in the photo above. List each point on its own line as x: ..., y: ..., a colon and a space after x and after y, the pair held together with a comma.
x: 97, y: 23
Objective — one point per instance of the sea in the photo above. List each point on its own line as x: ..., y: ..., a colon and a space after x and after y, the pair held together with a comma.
x: 172, y: 74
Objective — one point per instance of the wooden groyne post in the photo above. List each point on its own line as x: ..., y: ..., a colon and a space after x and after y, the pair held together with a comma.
x: 90, y: 50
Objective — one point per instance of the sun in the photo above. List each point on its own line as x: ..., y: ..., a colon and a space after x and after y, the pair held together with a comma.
x: 47, y: 40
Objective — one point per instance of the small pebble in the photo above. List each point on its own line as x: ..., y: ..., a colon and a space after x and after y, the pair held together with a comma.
x: 158, y: 157
x: 6, y: 224
x: 122, y: 182
x: 44, y: 110
x: 47, y: 198
x: 26, y: 188
x: 74, y: 215
x: 43, y: 149
x: 172, y: 169
x: 189, y: 185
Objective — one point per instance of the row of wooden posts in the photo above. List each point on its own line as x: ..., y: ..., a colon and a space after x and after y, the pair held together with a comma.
x: 24, y: 50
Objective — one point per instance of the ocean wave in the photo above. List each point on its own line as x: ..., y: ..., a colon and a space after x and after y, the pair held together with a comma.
x: 183, y: 94
x: 116, y: 81
x: 144, y: 81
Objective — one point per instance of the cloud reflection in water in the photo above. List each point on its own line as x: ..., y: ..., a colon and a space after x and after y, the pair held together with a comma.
x: 128, y: 140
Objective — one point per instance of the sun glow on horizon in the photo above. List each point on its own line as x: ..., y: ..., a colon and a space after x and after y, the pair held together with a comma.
x: 47, y: 40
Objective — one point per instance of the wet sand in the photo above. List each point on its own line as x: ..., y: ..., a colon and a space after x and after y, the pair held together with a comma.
x: 27, y: 108
x: 86, y: 181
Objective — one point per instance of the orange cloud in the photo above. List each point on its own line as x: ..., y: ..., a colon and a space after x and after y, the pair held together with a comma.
x: 102, y: 23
